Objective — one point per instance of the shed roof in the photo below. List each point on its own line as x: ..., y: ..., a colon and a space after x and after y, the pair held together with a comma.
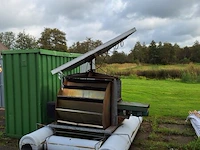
x: 2, y: 47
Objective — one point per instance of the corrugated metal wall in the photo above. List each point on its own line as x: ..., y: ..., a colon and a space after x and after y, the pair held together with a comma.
x: 29, y: 85
x: 1, y: 84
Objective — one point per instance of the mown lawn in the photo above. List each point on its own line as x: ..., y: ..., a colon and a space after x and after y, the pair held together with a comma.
x: 166, y: 97
x: 170, y: 100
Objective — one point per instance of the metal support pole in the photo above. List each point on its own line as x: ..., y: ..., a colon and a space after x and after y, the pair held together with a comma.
x: 114, y: 97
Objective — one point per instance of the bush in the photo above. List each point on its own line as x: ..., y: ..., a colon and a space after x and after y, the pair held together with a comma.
x: 121, y: 73
x: 187, y: 73
x: 191, y: 74
x: 186, y: 77
x: 160, y: 74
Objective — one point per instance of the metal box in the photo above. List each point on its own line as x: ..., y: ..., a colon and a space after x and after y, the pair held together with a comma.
x: 29, y: 85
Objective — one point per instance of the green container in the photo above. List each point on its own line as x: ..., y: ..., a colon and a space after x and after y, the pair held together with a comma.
x: 29, y: 85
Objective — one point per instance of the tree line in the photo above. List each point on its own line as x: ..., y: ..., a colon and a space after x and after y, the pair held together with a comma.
x: 52, y: 39
x: 154, y: 53
x: 164, y: 53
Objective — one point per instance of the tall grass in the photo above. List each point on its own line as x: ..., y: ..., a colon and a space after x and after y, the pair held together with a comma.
x: 191, y: 74
x: 160, y: 73
x: 188, y: 73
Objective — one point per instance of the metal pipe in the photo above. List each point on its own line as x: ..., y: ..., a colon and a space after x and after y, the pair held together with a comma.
x: 36, y: 139
x: 68, y: 143
x: 123, y: 136
x: 121, y: 139
x: 114, y: 117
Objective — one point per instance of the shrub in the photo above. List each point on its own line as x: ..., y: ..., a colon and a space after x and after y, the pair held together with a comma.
x: 191, y: 74
x: 160, y: 74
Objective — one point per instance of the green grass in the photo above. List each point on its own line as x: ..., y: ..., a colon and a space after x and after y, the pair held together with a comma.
x: 166, y: 97
x: 170, y: 101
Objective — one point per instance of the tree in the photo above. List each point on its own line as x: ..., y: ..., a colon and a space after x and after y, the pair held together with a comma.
x: 176, y: 51
x: 153, y: 53
x: 104, y: 58
x: 138, y: 54
x: 25, y: 41
x: 195, y: 49
x: 88, y: 45
x: 8, y: 39
x: 85, y: 46
x: 118, y: 57
x: 53, y: 39
x: 184, y: 55
x: 167, y: 54
x: 196, y: 43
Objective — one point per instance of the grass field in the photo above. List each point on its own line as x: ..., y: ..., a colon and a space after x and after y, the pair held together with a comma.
x: 166, y: 97
x: 170, y: 101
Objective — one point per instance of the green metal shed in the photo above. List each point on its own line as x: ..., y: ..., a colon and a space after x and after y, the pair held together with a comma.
x: 29, y: 85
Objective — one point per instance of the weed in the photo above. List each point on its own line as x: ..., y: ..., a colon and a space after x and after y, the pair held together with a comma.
x: 154, y: 123
x: 130, y: 77
x: 191, y: 74
x: 153, y: 136
x: 193, y: 145
x: 171, y: 120
x: 159, y: 145
x: 1, y: 134
x: 160, y: 73
x: 168, y: 131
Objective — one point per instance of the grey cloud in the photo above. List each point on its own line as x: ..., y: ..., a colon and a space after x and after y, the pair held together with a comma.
x: 190, y: 27
x: 75, y: 10
x: 160, y: 8
x: 17, y: 14
x: 159, y: 20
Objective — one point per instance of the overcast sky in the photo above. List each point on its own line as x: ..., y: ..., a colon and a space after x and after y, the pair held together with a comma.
x: 174, y: 21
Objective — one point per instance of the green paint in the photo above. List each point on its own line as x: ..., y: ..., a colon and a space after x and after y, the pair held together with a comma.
x: 29, y: 85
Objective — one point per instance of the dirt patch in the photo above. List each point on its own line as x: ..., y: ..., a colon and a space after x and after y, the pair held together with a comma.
x: 179, y: 127
x: 2, y: 122
x: 6, y: 143
x: 170, y: 133
x: 142, y: 135
x: 144, y: 131
x: 177, y: 139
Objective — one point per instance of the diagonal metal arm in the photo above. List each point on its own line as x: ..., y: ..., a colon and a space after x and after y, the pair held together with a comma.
x: 89, y: 56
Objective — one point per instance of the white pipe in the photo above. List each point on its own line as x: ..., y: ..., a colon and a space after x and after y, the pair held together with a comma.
x: 36, y: 139
x: 43, y: 138
x: 123, y: 136
x: 67, y: 143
